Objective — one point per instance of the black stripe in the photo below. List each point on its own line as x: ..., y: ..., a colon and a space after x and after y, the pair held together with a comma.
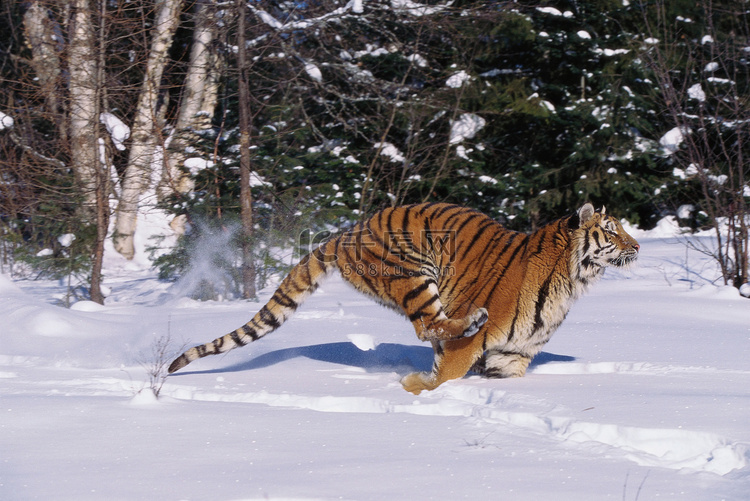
x: 484, y: 271
x: 427, y: 243
x: 438, y: 313
x: 318, y: 254
x: 304, y: 267
x: 508, y: 264
x: 540, y: 300
x: 510, y: 353
x: 542, y: 236
x: 512, y: 331
x: 427, y: 303
x: 445, y: 209
x: 544, y: 292
x: 562, y: 237
x: 218, y: 343
x: 388, y: 223
x: 178, y: 363
x: 378, y: 239
x: 336, y: 244
x: 425, y: 207
x: 284, y: 300
x: 394, y: 250
x: 500, y: 233
x: 405, y: 219
x: 480, y: 263
x: 377, y: 221
x: 293, y: 283
x: 403, y: 255
x: 384, y: 261
x: 586, y: 243
x: 459, y: 211
x: 476, y: 237
x: 268, y: 318
x: 595, y: 235
x: 237, y: 338
x: 412, y: 294
x: 469, y: 218
x: 506, y: 249
x: 249, y: 331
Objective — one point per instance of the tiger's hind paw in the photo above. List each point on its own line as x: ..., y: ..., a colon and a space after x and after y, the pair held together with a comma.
x: 478, y: 319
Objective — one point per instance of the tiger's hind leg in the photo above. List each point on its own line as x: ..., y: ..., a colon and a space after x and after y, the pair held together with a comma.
x: 418, y: 298
x: 453, y: 359
x: 502, y: 364
x: 423, y: 307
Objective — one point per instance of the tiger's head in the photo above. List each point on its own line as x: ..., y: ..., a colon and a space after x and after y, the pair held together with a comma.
x: 600, y: 241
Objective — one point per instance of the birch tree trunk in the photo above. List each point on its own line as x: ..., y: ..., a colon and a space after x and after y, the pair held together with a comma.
x: 77, y: 117
x: 43, y: 34
x: 137, y: 177
x: 83, y: 105
x: 198, y: 101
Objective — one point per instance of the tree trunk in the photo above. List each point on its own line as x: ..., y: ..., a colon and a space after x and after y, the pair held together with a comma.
x: 198, y: 100
x: 83, y: 106
x: 138, y: 172
x: 43, y: 36
x: 103, y: 172
x: 246, y: 195
x: 102, y: 222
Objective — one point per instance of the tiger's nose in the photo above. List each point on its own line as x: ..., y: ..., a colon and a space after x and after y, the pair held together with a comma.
x: 637, y: 247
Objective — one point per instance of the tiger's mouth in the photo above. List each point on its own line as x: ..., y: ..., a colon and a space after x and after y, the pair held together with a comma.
x: 625, y: 259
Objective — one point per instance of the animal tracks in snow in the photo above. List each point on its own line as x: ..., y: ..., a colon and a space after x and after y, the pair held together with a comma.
x: 488, y: 406
x: 668, y: 448
x: 519, y: 413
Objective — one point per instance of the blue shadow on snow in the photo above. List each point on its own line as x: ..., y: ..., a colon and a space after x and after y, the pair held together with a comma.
x: 386, y: 357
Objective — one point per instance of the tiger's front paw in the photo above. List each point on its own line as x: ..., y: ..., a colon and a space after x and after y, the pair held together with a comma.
x: 478, y: 319
x: 416, y: 382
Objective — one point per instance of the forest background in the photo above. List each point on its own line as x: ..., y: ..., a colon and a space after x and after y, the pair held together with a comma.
x: 255, y: 127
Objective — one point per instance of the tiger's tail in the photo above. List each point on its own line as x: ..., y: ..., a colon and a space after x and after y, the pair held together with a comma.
x: 302, y: 281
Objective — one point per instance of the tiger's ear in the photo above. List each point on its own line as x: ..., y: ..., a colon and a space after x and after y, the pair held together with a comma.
x: 580, y: 217
x: 585, y: 213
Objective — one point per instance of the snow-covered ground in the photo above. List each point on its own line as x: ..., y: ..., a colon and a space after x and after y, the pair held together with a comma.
x: 643, y: 393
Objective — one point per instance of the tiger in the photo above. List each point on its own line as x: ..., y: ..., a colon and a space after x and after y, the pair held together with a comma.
x: 487, y: 298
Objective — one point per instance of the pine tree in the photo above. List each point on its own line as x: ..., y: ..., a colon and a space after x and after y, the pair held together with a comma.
x: 570, y: 119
